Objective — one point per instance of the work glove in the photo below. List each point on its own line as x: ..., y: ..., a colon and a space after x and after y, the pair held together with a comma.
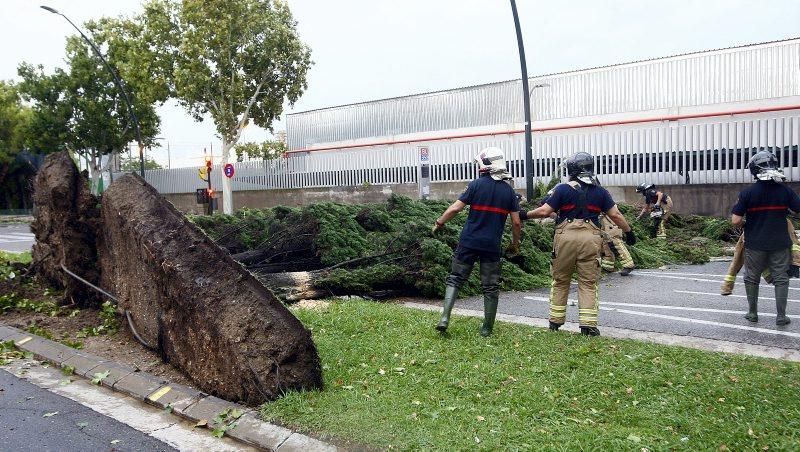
x: 630, y: 238
x: 794, y: 271
x: 523, y: 215
x: 512, y: 250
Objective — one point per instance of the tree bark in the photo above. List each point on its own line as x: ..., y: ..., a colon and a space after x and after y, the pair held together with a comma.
x: 227, y: 193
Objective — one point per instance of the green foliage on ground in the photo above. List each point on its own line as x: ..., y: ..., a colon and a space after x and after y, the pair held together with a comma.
x: 392, y: 382
x: 410, y: 259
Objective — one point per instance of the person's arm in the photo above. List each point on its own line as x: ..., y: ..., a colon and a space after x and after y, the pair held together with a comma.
x: 448, y: 214
x: 737, y: 220
x: 543, y: 211
x: 645, y: 209
x: 794, y: 201
x: 617, y: 218
x: 739, y: 209
x: 659, y: 197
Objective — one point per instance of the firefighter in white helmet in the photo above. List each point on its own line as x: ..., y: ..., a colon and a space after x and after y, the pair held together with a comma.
x: 491, y: 200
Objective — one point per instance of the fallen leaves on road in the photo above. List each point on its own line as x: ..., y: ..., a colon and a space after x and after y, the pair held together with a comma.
x: 99, y: 376
x: 50, y: 414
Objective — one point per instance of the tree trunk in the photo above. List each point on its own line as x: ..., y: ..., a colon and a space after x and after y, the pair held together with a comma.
x: 95, y: 172
x: 227, y: 193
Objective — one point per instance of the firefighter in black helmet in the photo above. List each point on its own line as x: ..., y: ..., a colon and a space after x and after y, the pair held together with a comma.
x: 767, y: 244
x: 578, y: 242
x: 659, y: 205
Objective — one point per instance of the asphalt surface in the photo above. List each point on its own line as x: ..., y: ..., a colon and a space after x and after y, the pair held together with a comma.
x: 16, y: 237
x: 74, y: 427
x: 681, y: 300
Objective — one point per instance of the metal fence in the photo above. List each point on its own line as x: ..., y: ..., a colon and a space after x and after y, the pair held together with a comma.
x: 675, y: 152
x: 764, y: 71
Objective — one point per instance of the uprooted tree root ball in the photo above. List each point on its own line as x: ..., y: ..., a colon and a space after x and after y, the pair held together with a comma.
x: 385, y: 249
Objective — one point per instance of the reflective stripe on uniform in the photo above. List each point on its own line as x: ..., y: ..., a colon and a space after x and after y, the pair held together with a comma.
x: 558, y: 312
x: 730, y: 278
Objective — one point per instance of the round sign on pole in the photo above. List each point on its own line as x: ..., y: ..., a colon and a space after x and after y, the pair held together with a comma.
x: 228, y: 169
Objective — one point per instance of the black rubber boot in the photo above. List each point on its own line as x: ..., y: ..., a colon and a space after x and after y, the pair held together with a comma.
x: 450, y: 294
x: 781, y: 296
x: 489, y: 314
x: 626, y: 271
x: 490, y: 282
x: 459, y: 272
x: 554, y: 326
x: 590, y: 331
x: 752, y: 302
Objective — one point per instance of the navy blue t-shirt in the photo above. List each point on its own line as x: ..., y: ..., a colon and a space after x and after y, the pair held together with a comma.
x: 765, y: 204
x: 490, y: 201
x: 564, y: 200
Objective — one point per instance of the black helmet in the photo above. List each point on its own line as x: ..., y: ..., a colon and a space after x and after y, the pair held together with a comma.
x: 643, y: 187
x: 764, y: 166
x: 581, y: 167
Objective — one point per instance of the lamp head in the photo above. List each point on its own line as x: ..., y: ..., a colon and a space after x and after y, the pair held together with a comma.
x: 49, y: 9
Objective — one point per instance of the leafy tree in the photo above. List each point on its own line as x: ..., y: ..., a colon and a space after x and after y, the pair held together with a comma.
x: 267, y: 150
x: 15, y: 169
x: 81, y: 109
x: 132, y: 164
x: 235, y: 61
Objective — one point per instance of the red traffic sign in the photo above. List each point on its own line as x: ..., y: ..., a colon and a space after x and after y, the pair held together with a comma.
x: 228, y: 169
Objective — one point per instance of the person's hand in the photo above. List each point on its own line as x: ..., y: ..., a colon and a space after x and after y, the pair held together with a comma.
x: 630, y: 238
x: 512, y: 250
x: 436, y: 227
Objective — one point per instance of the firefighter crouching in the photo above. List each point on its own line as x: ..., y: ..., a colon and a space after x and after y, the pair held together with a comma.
x: 659, y: 205
x: 614, y: 248
x: 491, y: 200
x: 578, y: 241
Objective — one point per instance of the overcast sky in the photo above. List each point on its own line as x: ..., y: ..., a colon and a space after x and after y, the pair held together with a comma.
x: 371, y: 49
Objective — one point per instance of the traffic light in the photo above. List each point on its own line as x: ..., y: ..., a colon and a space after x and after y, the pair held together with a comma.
x: 209, y: 163
x: 210, y: 194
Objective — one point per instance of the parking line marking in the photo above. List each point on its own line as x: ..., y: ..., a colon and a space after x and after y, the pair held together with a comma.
x: 710, y: 322
x: 669, y: 307
x: 690, y: 292
x: 658, y: 275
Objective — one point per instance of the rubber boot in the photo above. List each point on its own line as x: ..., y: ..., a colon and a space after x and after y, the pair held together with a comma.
x: 752, y: 302
x: 490, y: 283
x: 554, y: 326
x: 781, y: 295
x: 450, y: 294
x: 626, y: 271
x: 489, y: 314
x: 590, y: 331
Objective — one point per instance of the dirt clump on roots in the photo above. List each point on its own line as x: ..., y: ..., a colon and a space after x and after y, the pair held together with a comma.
x: 65, y: 225
x: 202, y: 310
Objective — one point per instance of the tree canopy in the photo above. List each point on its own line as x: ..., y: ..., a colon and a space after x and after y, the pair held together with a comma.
x: 266, y: 150
x: 235, y: 61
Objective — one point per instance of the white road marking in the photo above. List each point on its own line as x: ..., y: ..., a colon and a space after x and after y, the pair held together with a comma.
x: 710, y: 322
x: 656, y: 306
x: 658, y: 275
x: 149, y: 420
x: 690, y: 292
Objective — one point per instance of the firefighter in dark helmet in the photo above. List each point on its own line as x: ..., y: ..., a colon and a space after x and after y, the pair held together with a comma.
x: 659, y: 205
x: 767, y: 245
x: 578, y: 240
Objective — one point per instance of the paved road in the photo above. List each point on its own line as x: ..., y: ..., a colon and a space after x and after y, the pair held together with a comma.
x: 682, y: 300
x: 16, y: 237
x: 23, y: 426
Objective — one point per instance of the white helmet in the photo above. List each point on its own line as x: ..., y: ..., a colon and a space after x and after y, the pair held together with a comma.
x: 493, y: 161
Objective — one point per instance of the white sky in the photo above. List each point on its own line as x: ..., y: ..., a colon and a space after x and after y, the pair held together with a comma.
x: 371, y: 49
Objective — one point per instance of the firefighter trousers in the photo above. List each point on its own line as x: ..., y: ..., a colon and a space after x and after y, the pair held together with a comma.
x: 614, y: 248
x: 738, y: 260
x: 576, y: 249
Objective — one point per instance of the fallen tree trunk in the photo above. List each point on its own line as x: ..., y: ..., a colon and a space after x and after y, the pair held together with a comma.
x: 208, y: 315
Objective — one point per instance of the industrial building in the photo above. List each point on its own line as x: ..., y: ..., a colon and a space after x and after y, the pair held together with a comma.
x: 685, y: 119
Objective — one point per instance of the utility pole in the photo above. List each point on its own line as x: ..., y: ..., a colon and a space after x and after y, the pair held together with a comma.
x: 526, y: 103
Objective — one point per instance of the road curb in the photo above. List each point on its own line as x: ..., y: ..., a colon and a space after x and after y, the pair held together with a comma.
x: 183, y: 401
x: 700, y: 343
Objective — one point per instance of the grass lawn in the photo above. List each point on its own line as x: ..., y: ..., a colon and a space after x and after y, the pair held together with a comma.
x: 393, y: 382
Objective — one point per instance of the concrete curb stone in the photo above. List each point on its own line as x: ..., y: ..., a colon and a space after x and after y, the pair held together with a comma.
x: 177, y: 396
x: 185, y: 401
x: 138, y: 385
x: 301, y: 443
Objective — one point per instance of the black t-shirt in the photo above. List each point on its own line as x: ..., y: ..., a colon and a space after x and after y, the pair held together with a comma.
x: 765, y: 205
x: 490, y: 201
x: 564, y: 200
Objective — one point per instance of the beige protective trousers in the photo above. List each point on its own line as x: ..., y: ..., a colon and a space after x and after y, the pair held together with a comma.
x: 614, y: 238
x: 661, y: 230
x: 576, y: 249
x: 738, y: 260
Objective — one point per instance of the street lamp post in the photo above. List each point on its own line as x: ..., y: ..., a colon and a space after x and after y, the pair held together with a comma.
x: 526, y: 102
x: 117, y: 83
